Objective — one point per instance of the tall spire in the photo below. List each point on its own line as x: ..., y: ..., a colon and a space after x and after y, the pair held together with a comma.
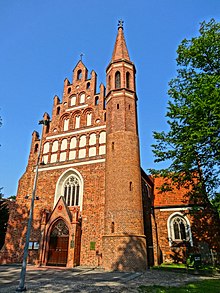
x: 120, y: 49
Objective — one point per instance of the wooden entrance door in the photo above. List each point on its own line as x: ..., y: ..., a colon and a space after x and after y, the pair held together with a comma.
x: 58, y: 245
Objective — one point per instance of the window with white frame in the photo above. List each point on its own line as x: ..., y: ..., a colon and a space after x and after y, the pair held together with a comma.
x: 55, y: 146
x: 179, y: 229
x: 82, y: 141
x: 72, y: 100
x: 82, y: 98
x: 70, y: 186
x: 92, y: 139
x: 46, y: 147
x: 66, y: 125
x: 77, y: 122
x: 73, y: 142
x: 89, y: 119
x: 63, y: 144
x: 102, y: 137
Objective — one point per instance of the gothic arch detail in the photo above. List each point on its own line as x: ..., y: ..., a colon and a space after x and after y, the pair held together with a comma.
x: 70, y: 186
x: 179, y: 229
x: 117, y: 79
x: 59, y: 228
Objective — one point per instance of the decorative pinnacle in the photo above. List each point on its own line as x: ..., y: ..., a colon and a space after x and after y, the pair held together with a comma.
x: 120, y: 23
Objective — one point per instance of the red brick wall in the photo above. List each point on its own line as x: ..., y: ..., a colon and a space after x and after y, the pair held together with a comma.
x: 93, y: 174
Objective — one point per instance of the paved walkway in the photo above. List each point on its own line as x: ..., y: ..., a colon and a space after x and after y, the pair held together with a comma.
x: 87, y: 280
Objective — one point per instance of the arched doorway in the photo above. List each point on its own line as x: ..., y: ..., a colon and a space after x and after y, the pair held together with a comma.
x: 58, y: 244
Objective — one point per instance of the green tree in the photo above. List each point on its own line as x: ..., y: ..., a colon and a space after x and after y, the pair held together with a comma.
x: 192, y: 144
x: 216, y: 202
x: 4, y: 215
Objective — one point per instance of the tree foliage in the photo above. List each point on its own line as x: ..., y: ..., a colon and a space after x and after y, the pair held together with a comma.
x: 4, y: 215
x: 192, y: 144
x: 216, y: 202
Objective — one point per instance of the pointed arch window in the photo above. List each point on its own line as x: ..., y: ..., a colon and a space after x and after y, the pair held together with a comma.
x: 127, y: 80
x: 70, y: 186
x: 104, y: 104
x: 96, y: 101
x: 58, y: 110
x: 117, y: 80
x: 79, y: 74
x: 109, y: 82
x: 36, y: 148
x: 179, y: 229
x: 71, y: 191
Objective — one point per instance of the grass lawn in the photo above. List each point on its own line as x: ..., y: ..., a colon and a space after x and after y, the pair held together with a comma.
x: 206, y: 286
x: 203, y: 269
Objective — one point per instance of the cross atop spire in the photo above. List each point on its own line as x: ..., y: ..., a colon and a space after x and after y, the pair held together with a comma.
x: 120, y: 49
x: 81, y: 55
x: 120, y: 23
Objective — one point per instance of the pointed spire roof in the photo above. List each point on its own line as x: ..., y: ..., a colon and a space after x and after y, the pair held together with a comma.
x: 120, y: 49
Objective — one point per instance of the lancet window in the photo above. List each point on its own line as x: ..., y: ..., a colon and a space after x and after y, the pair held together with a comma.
x: 117, y: 80
x: 127, y: 80
x: 71, y: 191
x: 179, y: 229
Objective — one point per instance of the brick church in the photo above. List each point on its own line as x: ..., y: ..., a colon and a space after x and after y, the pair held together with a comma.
x: 95, y: 206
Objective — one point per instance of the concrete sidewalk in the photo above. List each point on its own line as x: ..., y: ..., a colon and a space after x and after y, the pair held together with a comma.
x: 87, y: 280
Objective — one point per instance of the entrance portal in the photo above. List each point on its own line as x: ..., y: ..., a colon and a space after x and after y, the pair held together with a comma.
x: 58, y: 245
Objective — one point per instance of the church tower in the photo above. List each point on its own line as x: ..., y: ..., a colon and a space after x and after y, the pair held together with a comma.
x: 124, y: 243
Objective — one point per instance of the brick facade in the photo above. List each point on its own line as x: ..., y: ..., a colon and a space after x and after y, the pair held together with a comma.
x: 202, y: 220
x: 94, y: 205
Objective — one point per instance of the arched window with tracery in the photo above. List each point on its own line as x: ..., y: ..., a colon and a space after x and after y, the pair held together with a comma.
x: 179, y: 229
x: 70, y: 186
x: 59, y: 229
x: 117, y: 80
x: 71, y: 191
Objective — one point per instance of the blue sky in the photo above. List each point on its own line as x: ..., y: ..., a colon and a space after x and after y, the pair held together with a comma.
x: 41, y: 42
